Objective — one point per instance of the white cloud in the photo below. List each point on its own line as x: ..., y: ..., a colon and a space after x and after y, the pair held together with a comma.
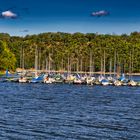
x: 100, y: 13
x: 8, y: 14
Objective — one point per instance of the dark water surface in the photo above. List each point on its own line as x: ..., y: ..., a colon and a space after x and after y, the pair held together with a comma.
x: 69, y: 112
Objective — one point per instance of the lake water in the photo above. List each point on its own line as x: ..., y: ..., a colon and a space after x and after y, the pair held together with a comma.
x: 69, y: 112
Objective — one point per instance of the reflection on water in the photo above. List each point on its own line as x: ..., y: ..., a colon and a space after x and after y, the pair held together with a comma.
x: 62, y: 111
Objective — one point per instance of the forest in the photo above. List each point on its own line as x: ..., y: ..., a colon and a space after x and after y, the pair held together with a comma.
x: 71, y: 52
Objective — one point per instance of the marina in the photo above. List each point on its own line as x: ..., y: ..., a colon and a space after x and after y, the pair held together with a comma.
x: 70, y: 78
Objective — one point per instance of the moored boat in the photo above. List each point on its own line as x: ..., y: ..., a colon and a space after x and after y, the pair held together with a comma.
x: 38, y: 79
x: 90, y: 80
x: 22, y: 80
x: 77, y: 81
x: 104, y: 82
x: 132, y: 83
x: 117, y: 83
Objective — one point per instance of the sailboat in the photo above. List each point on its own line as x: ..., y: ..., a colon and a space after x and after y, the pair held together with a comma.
x: 90, y: 79
x: 48, y: 79
x: 22, y: 79
x: 131, y: 82
x: 38, y: 79
x: 77, y: 79
x: 11, y: 77
x: 102, y: 79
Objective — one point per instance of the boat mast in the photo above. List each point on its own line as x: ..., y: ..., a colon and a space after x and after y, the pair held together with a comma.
x: 110, y: 68
x: 115, y: 62
x: 77, y: 65
x: 132, y: 62
x: 46, y: 64
x: 81, y: 62
x: 130, y: 65
x: 90, y: 63
x: 101, y: 61
x: 104, y: 63
x: 23, y: 58
x: 62, y: 64
x: 93, y: 66
x: 36, y: 58
x: 39, y: 57
x: 101, y: 65
x: 49, y: 67
x: 118, y: 66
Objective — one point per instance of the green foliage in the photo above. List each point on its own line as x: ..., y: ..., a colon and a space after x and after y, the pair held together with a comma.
x: 63, y: 50
x: 7, y: 58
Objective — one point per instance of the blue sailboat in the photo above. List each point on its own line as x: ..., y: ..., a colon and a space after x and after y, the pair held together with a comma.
x: 38, y: 79
x: 10, y: 77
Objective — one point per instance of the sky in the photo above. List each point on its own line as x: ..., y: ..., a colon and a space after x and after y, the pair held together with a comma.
x: 22, y: 17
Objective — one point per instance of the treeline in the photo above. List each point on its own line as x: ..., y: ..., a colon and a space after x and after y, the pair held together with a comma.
x: 71, y: 52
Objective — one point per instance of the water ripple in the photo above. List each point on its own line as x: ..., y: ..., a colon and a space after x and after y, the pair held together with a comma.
x: 41, y: 111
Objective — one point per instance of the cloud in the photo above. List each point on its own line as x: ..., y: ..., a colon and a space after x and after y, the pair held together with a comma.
x: 100, y: 13
x: 8, y: 14
x: 25, y: 31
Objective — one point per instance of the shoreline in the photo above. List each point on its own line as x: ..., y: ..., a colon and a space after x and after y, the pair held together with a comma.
x: 80, y: 72
x: 64, y: 71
